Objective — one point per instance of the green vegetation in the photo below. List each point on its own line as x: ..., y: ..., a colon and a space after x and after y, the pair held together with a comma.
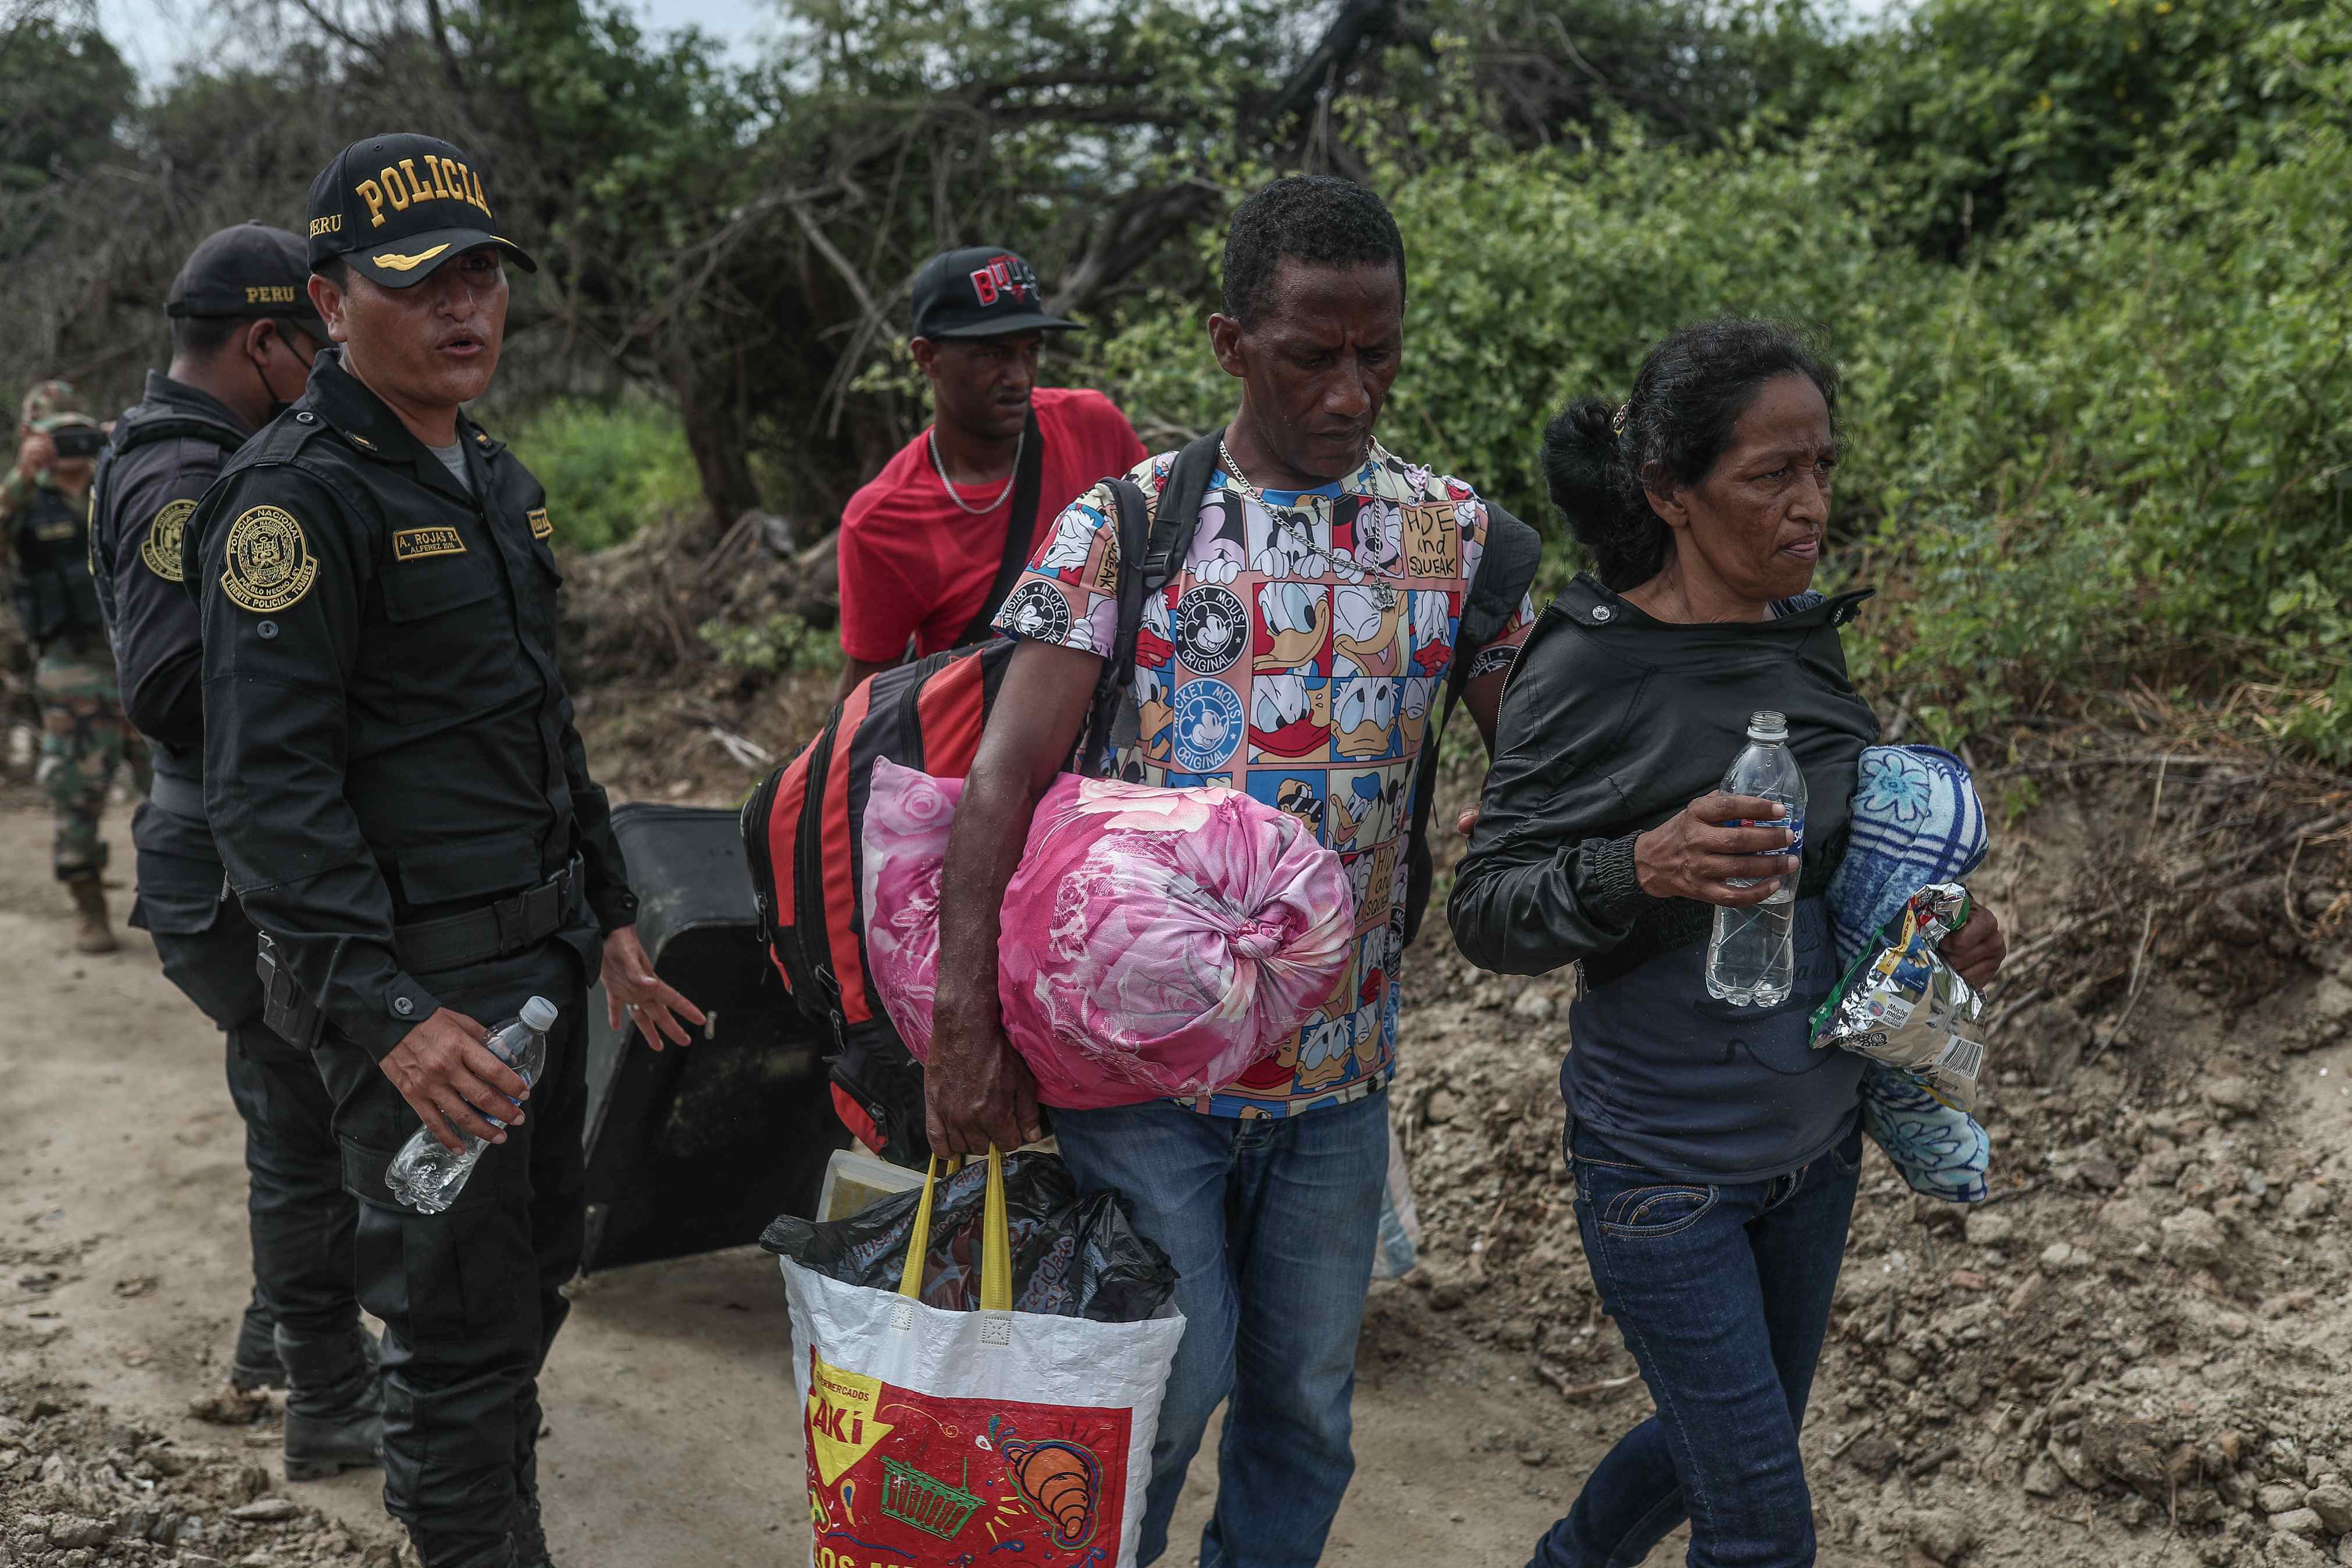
x: 609, y: 469
x: 2083, y: 261
x: 771, y: 647
x: 2099, y: 379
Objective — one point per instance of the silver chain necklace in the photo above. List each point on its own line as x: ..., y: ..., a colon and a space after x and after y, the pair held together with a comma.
x: 932, y: 437
x: 1382, y: 594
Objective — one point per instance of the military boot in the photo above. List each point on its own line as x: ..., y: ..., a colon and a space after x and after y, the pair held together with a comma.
x: 254, y: 1364
x: 333, y: 1407
x: 92, y: 934
x: 434, y: 1550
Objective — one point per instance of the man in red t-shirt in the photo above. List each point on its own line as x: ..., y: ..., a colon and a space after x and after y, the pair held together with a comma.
x: 921, y: 542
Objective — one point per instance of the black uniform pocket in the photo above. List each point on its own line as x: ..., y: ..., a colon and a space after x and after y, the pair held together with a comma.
x: 468, y: 869
x: 178, y: 896
x: 417, y: 590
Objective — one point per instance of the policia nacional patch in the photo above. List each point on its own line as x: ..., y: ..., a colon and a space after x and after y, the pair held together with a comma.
x: 161, y: 548
x: 269, y: 564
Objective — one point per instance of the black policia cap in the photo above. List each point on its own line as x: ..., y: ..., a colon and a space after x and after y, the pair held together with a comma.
x: 981, y: 291
x: 398, y: 207
x: 249, y: 270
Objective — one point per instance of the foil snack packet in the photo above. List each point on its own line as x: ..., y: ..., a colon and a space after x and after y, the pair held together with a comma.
x: 1901, y: 1004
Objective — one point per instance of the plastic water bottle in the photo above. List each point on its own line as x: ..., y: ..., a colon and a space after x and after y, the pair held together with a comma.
x: 1751, y: 959
x: 427, y: 1176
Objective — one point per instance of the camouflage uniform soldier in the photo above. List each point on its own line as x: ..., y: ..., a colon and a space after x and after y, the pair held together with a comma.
x: 85, y: 739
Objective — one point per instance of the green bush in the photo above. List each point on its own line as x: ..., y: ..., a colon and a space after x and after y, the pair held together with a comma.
x: 771, y: 647
x: 610, y: 468
x: 2108, y: 447
x: 2132, y: 470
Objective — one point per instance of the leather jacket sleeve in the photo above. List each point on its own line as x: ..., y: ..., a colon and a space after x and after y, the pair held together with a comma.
x: 1526, y: 904
x: 1548, y: 880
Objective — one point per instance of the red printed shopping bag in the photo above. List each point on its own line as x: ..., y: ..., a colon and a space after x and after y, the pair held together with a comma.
x: 951, y: 1439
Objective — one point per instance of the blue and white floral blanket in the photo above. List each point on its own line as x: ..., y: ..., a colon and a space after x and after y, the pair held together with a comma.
x: 1917, y: 821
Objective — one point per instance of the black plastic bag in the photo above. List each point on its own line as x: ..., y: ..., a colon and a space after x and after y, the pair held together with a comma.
x: 1073, y: 1256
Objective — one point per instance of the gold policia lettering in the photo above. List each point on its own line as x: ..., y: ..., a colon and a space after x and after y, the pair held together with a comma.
x: 399, y: 263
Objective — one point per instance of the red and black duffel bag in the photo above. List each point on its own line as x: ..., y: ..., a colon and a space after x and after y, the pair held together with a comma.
x: 804, y: 826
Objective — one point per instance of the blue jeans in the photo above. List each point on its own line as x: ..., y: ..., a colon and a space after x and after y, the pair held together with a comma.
x: 1270, y: 1222
x: 1723, y: 1295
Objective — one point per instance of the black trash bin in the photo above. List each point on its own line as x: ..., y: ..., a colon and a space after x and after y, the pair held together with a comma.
x: 696, y: 1149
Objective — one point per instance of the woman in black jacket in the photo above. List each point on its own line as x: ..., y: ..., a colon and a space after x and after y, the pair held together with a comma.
x: 1714, y: 1151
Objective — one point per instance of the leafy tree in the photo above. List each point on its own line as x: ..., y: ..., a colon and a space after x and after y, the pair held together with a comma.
x: 1978, y: 113
x: 63, y: 90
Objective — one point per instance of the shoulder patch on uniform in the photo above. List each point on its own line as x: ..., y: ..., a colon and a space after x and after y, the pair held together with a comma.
x: 540, y: 527
x: 269, y: 564
x: 161, y: 548
x: 415, y: 544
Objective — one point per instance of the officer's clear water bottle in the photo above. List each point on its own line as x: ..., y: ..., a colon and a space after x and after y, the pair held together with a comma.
x: 1751, y: 959
x: 426, y: 1177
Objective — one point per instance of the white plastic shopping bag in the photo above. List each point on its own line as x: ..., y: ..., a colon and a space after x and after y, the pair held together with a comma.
x: 942, y: 1439
x: 1399, y: 1237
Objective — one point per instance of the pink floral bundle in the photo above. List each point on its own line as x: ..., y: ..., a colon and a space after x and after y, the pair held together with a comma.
x: 1155, y: 942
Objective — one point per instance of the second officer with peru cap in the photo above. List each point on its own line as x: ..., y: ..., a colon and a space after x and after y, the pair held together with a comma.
x: 243, y: 336
x: 405, y: 809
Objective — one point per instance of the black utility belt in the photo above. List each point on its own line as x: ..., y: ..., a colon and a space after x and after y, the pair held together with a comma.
x: 512, y: 924
x: 180, y: 797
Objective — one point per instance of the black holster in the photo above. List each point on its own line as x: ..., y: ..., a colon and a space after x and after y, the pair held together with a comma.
x: 284, y: 1007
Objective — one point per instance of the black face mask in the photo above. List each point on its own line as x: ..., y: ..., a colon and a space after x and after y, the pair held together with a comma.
x: 278, y: 405
x: 260, y: 365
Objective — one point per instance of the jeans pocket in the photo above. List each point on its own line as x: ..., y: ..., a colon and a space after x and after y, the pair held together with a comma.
x: 1655, y: 1211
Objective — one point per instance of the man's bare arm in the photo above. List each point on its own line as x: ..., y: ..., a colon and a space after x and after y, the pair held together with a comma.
x: 854, y: 671
x: 977, y: 1090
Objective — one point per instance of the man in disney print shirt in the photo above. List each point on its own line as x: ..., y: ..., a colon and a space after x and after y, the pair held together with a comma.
x: 1294, y: 656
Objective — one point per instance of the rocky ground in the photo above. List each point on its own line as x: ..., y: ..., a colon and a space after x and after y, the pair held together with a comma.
x: 2137, y: 1354
x: 78, y: 1486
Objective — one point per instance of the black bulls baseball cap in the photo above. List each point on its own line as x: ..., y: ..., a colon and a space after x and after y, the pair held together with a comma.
x: 399, y: 207
x: 249, y: 270
x: 981, y: 291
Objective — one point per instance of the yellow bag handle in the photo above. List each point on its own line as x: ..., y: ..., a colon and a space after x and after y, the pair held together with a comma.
x: 995, y: 1237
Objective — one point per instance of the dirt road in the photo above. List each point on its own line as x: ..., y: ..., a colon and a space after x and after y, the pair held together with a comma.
x: 672, y: 1439
x: 2138, y: 1358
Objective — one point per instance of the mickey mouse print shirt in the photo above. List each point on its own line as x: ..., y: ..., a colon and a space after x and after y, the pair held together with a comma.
x: 1297, y: 656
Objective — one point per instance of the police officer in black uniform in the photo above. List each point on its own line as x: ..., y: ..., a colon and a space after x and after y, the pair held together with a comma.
x: 243, y: 334
x: 403, y: 804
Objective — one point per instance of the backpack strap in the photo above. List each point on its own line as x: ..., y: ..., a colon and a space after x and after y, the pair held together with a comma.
x: 131, y: 434
x: 1151, y: 548
x: 1020, y: 528
x: 1180, y: 510
x: 1506, y: 568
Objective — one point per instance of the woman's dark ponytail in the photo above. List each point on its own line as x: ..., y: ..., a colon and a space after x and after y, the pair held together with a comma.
x: 1593, y: 485
x: 1688, y: 394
